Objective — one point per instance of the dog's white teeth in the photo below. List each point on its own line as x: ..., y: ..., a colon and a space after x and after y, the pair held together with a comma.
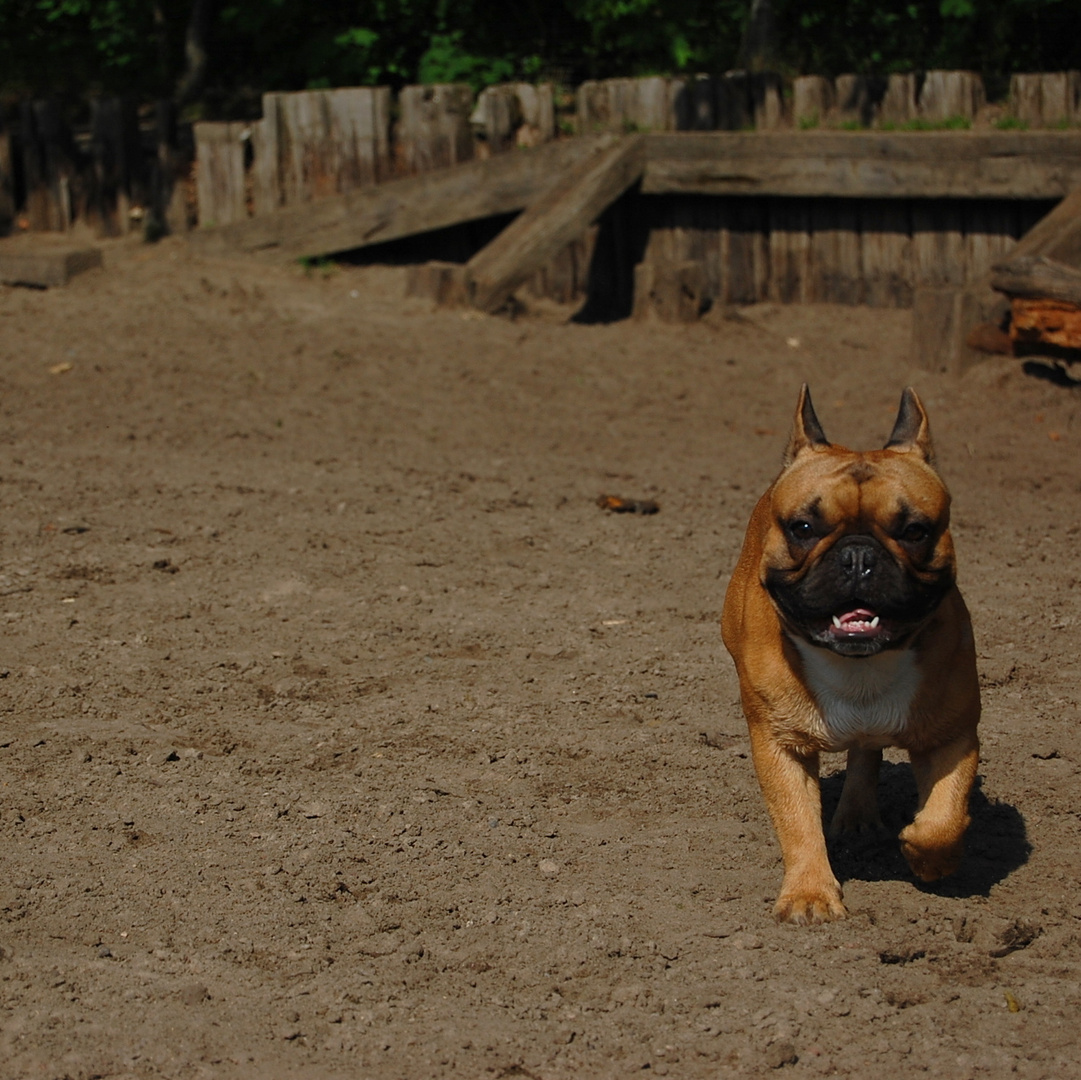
x: 836, y: 622
x: 874, y: 622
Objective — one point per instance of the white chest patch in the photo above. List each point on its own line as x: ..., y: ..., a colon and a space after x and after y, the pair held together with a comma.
x: 861, y: 699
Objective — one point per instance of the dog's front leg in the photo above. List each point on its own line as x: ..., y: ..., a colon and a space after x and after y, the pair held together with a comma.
x: 933, y: 843
x: 789, y: 781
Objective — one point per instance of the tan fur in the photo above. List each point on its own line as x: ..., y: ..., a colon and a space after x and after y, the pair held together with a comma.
x: 855, y: 493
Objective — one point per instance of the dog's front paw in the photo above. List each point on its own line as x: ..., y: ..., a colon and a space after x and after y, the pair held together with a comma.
x: 929, y: 861
x: 809, y: 907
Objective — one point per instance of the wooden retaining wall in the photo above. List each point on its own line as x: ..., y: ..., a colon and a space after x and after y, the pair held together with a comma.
x: 846, y: 251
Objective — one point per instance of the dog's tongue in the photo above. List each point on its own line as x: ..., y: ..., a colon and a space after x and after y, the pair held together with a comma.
x: 859, y: 621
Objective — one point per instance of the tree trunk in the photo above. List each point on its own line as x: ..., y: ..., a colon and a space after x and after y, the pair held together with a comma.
x: 195, y: 51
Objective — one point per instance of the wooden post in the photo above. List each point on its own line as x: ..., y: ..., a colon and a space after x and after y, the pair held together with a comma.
x: 537, y: 107
x: 219, y: 155
x: 651, y: 105
x: 433, y: 127
x: 767, y: 100
x: 951, y: 95
x: 1026, y: 99
x: 812, y: 101
x: 7, y: 181
x: 497, y: 118
x: 1059, y: 97
x: 899, y: 101
x: 50, y: 165
x: 553, y: 221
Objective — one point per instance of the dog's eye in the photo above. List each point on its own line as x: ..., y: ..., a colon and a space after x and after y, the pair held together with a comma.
x: 801, y: 529
x: 915, y: 533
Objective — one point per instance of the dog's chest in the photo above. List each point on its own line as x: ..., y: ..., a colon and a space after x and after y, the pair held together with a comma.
x: 861, y: 699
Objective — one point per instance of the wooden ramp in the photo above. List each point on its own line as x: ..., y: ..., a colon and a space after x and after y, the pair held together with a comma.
x: 558, y: 217
x: 503, y: 184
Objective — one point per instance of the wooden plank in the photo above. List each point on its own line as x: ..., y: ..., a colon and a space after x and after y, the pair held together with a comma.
x: 746, y: 253
x: 790, y: 251
x: 938, y: 244
x: 1026, y: 98
x: 44, y: 266
x: 467, y: 192
x: 990, y: 234
x: 554, y: 220
x: 886, y: 255
x: 836, y: 254
x: 219, y: 178
x: 926, y: 164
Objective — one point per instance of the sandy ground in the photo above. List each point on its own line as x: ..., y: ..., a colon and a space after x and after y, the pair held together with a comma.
x: 343, y: 735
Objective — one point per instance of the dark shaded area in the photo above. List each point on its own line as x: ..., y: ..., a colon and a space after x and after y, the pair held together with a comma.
x: 455, y: 244
x: 1048, y: 369
x: 995, y: 846
x: 621, y: 243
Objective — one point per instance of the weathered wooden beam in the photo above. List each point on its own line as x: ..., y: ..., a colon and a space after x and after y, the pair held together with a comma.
x: 554, y: 220
x: 1037, y: 276
x: 926, y: 164
x: 477, y: 189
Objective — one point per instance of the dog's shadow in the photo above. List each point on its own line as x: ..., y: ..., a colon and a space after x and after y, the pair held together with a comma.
x: 996, y: 843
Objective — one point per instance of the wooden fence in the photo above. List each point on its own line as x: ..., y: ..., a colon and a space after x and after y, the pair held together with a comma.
x: 314, y: 144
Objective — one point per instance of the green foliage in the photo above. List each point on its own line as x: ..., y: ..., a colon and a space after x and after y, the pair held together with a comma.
x: 255, y: 45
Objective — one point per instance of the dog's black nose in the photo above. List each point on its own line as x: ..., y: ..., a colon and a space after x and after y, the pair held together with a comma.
x: 858, y: 557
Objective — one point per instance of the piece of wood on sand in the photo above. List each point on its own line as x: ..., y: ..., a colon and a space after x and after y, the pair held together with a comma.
x: 1045, y: 300
x: 564, y: 212
x: 1040, y: 321
x: 42, y: 265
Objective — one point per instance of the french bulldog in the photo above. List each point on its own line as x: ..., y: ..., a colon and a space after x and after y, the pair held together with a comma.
x: 848, y: 633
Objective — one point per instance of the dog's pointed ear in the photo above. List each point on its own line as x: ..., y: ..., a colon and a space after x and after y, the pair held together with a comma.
x: 807, y: 433
x: 912, y: 433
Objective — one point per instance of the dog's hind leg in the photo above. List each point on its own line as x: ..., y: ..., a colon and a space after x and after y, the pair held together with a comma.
x: 858, y: 806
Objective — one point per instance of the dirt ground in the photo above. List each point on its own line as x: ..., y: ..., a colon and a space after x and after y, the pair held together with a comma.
x: 343, y: 735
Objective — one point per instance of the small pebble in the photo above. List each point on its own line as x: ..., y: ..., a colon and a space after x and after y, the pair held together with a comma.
x: 548, y: 866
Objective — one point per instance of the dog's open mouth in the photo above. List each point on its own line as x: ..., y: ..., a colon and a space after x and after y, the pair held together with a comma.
x: 860, y: 624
